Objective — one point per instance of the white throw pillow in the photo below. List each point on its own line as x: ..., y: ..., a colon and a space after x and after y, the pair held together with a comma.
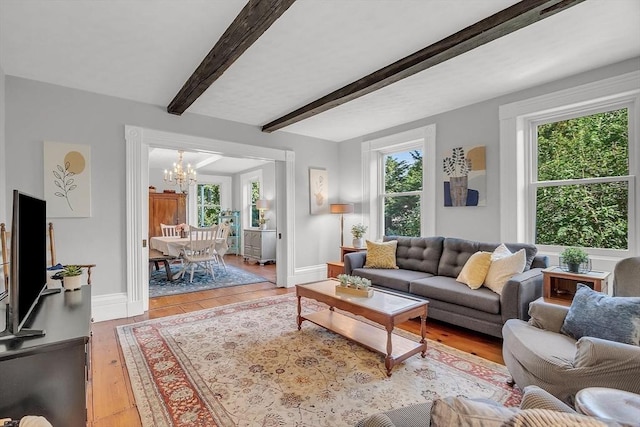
x: 500, y: 252
x: 502, y: 269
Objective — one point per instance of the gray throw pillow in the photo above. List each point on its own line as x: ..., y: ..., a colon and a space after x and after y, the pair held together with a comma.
x: 595, y: 314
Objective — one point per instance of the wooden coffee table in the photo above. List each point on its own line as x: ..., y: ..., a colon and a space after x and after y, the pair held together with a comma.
x: 384, y: 308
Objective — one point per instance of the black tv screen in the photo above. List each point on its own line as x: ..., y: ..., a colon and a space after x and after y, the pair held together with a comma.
x: 28, y: 256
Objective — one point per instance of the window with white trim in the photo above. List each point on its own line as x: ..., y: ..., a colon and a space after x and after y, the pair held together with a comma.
x: 208, y: 204
x: 569, y: 162
x: 580, y: 179
x: 399, y: 183
x: 251, y: 192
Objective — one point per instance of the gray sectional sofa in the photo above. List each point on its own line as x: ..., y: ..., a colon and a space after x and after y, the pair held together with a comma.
x: 428, y: 267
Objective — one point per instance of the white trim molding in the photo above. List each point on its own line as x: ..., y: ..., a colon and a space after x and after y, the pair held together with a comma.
x: 425, y: 138
x: 516, y: 121
x: 138, y: 140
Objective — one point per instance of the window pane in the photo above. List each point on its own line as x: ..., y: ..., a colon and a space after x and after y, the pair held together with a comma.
x: 402, y: 216
x: 208, y: 204
x: 585, y: 147
x: 255, y: 195
x: 403, y: 171
x: 593, y: 216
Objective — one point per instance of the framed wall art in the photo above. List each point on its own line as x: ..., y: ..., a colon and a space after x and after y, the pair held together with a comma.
x: 318, y: 191
x: 67, y: 179
x: 465, y: 176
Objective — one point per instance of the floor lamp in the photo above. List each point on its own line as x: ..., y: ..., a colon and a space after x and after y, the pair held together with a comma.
x: 341, y: 208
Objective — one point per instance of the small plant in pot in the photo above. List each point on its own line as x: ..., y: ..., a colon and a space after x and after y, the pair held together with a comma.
x: 70, y: 276
x: 357, y: 231
x: 573, y: 258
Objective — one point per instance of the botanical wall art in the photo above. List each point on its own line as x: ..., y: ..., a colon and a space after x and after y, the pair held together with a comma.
x: 67, y: 179
x: 465, y: 176
x: 318, y: 191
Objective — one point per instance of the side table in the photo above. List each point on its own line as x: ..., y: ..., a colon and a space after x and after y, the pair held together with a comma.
x: 334, y: 268
x: 618, y: 405
x: 347, y: 249
x: 561, y: 285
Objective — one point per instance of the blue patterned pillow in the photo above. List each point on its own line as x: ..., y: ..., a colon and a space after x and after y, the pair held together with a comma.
x: 595, y: 314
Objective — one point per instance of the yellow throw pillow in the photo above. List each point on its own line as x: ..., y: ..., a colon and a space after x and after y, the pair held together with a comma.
x: 475, y: 270
x: 502, y: 269
x: 381, y: 255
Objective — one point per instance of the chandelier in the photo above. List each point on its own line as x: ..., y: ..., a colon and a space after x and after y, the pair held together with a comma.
x: 180, y: 176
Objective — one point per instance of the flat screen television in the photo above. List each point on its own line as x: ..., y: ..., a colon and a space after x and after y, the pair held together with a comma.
x: 28, y: 261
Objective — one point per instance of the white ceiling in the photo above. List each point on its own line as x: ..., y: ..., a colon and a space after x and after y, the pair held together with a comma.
x: 202, y: 163
x: 145, y: 51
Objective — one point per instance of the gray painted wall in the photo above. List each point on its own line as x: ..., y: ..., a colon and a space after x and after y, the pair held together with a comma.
x: 3, y: 156
x: 37, y: 111
x: 476, y: 124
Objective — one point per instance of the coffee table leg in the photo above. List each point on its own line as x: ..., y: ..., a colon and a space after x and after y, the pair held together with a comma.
x: 423, y: 332
x: 388, y: 360
x: 299, y: 313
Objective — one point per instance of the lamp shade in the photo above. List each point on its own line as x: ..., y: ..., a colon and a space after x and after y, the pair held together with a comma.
x: 262, y: 204
x: 341, y: 208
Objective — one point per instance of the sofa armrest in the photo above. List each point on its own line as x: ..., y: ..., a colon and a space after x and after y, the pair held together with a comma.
x: 607, y: 355
x: 547, y: 316
x: 354, y: 260
x: 518, y: 292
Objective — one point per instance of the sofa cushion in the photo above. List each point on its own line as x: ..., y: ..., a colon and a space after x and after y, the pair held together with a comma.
x: 502, y: 269
x: 530, y: 250
x: 381, y: 255
x: 475, y: 270
x: 393, y: 279
x: 418, y: 253
x: 448, y: 290
x: 460, y: 411
x: 455, y: 253
x: 598, y: 315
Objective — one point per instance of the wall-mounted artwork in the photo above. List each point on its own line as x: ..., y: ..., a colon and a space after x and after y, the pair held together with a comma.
x: 67, y: 179
x: 465, y: 176
x: 318, y: 191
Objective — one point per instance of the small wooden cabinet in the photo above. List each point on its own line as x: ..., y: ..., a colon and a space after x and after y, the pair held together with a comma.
x: 166, y: 208
x: 334, y: 268
x: 260, y: 245
x: 347, y: 249
x: 561, y: 285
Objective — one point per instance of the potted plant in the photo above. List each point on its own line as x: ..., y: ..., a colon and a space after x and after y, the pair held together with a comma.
x: 573, y: 257
x: 357, y: 231
x: 70, y: 276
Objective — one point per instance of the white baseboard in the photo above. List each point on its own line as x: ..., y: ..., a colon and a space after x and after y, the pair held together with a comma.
x: 310, y: 274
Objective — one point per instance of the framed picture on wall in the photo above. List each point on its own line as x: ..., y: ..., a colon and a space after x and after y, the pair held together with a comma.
x: 67, y: 179
x: 318, y: 191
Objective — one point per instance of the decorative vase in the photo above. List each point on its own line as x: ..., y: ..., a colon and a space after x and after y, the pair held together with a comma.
x: 358, y: 242
x: 263, y: 226
x: 458, y: 190
x: 71, y: 283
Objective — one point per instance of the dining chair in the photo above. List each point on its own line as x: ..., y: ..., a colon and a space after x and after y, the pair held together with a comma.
x: 200, y: 252
x: 222, y: 245
x: 52, y: 255
x: 169, y: 230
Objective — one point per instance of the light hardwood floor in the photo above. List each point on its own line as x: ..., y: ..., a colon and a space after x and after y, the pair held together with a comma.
x: 110, y: 398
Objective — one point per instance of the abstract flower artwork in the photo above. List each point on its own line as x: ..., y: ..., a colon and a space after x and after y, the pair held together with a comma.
x: 67, y: 179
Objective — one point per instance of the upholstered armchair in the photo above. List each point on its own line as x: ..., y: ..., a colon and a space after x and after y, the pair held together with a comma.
x: 537, y: 353
x: 626, y: 278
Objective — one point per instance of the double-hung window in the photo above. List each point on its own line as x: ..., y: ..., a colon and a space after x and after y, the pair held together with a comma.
x: 580, y: 181
x: 208, y: 204
x: 401, y: 197
x: 569, y: 163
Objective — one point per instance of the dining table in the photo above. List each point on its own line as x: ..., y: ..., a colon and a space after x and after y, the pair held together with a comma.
x: 173, y: 246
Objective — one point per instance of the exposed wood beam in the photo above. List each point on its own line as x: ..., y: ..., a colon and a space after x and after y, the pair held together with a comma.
x: 495, y: 26
x: 252, y: 21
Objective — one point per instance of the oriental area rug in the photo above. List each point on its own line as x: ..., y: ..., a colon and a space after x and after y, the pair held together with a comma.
x: 247, y: 364
x: 231, y: 276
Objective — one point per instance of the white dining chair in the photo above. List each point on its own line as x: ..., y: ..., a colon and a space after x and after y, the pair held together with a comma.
x: 200, y: 252
x: 222, y: 245
x: 169, y: 230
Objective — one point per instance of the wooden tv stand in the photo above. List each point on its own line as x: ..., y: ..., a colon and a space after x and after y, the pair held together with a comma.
x: 47, y: 375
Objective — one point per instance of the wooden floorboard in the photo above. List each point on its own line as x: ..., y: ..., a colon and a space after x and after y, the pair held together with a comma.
x: 110, y: 397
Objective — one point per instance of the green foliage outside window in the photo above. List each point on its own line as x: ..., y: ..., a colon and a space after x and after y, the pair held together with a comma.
x: 587, y: 215
x: 208, y: 204
x: 255, y: 196
x: 403, y: 173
